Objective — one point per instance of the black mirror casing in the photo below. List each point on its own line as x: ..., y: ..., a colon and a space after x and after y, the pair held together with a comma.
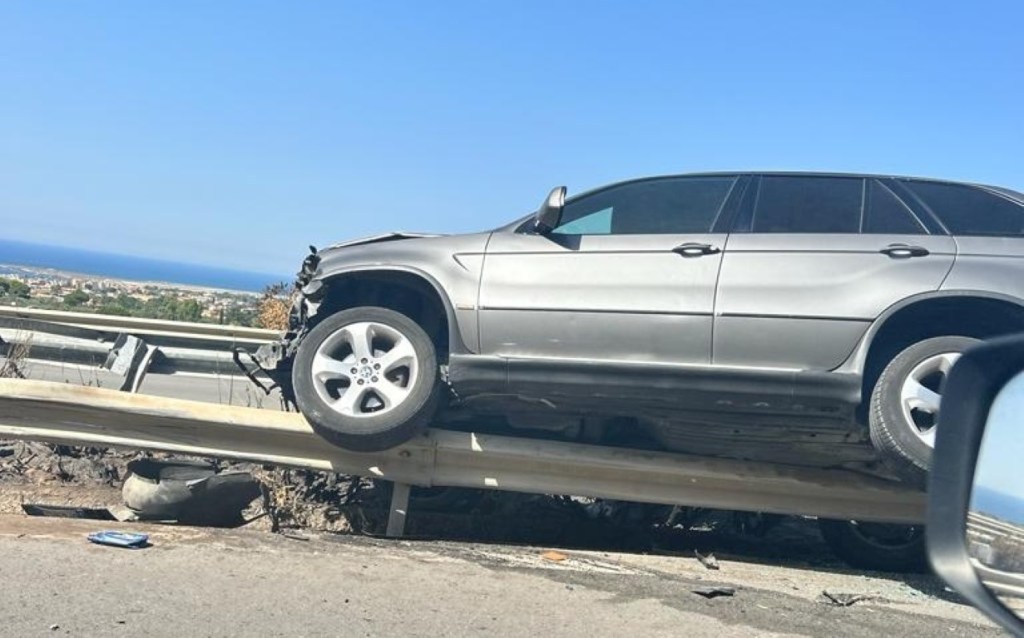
x: 549, y: 214
x: 973, y: 384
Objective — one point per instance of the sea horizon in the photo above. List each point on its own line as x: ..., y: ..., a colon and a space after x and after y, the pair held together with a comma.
x: 1007, y: 507
x: 131, y: 268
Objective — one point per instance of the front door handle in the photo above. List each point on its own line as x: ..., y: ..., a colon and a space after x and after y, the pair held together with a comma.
x: 903, y: 251
x: 695, y: 249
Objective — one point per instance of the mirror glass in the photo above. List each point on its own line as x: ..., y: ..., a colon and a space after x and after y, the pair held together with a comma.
x: 995, y: 524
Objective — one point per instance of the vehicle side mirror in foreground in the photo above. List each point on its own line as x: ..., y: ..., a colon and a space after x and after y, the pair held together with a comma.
x: 975, y: 531
x: 549, y: 214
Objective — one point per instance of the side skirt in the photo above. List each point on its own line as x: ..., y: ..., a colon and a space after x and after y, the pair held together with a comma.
x: 631, y: 387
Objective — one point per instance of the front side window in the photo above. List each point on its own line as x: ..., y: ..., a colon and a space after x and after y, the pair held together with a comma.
x: 966, y: 210
x: 787, y: 204
x: 673, y: 205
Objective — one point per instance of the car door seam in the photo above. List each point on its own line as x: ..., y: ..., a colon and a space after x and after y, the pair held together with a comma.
x: 714, y: 297
x: 952, y: 264
x: 479, y: 292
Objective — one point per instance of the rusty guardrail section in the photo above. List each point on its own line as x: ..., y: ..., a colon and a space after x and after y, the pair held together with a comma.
x: 81, y: 415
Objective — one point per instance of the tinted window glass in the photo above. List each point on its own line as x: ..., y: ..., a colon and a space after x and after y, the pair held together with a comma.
x: 596, y: 223
x: 662, y: 206
x: 971, y: 211
x: 887, y: 214
x: 1012, y: 194
x: 808, y: 205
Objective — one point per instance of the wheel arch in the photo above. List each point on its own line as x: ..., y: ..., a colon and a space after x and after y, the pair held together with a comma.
x: 402, y: 288
x: 969, y: 313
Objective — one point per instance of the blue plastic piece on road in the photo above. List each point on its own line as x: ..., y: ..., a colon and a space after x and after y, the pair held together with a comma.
x: 120, y: 539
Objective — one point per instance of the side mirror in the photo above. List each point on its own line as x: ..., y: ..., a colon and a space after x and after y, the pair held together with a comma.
x: 549, y: 214
x: 975, y: 531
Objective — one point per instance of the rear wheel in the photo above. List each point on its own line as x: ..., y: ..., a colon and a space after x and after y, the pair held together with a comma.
x: 876, y: 546
x: 366, y: 379
x: 905, y: 404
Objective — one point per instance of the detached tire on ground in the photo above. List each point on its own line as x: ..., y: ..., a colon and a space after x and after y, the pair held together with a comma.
x: 905, y: 402
x: 366, y: 379
x: 877, y: 546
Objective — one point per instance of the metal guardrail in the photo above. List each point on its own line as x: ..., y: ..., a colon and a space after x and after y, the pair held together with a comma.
x: 145, y: 326
x: 67, y: 414
x: 983, y: 530
x: 86, y: 339
x: 980, y: 523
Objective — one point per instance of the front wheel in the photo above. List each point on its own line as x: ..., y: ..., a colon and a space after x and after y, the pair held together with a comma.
x: 366, y: 379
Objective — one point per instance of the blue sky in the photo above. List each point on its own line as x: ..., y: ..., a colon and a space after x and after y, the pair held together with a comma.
x: 235, y: 133
x: 1002, y: 448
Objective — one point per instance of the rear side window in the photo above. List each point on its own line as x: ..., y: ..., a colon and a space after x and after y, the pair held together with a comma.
x: 676, y: 205
x: 966, y: 210
x: 884, y: 213
x: 808, y: 205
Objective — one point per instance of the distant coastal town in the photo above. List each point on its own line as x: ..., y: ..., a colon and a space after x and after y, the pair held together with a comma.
x: 33, y: 287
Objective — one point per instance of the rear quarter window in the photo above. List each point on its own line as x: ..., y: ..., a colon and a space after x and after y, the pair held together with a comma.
x: 969, y: 210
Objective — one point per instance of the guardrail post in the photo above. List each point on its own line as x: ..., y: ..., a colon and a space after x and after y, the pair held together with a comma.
x: 130, y: 357
x: 399, y: 510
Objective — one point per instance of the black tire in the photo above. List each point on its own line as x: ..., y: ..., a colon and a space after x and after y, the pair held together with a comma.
x: 369, y: 432
x: 896, y: 438
x: 877, y: 546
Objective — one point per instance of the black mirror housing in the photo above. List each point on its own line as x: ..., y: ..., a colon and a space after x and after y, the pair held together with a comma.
x: 972, y: 386
x: 549, y: 214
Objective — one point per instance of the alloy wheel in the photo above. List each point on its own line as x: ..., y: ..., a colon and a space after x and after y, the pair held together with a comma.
x: 921, y: 394
x: 365, y: 369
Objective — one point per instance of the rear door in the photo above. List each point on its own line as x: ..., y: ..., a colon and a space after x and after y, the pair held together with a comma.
x: 629, y: 275
x: 811, y: 262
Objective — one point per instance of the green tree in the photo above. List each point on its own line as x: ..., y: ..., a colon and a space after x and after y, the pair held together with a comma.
x: 171, y: 308
x: 113, y: 309
x: 131, y: 305
x: 188, y: 310
x: 76, y: 298
x: 14, y: 288
x: 239, y: 316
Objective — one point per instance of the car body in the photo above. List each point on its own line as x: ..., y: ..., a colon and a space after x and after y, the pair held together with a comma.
x: 748, y: 315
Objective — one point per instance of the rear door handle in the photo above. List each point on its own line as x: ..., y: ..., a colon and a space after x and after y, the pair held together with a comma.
x: 695, y: 249
x: 903, y: 251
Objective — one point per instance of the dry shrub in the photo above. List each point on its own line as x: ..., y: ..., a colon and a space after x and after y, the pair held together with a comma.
x: 14, y: 356
x: 314, y: 500
x: 273, y: 307
x: 1009, y: 554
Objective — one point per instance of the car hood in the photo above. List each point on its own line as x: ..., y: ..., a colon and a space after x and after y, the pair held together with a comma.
x: 409, y: 251
x: 376, y: 239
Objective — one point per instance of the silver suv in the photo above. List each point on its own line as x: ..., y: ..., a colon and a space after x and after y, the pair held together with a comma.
x: 791, y: 318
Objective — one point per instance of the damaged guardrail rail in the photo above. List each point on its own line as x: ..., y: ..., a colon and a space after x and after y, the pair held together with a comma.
x: 85, y: 338
x: 62, y: 413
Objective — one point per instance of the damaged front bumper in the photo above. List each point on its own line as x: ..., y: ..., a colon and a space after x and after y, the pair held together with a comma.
x: 274, y: 359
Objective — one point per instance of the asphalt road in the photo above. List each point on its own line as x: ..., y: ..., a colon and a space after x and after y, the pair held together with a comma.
x: 198, y: 582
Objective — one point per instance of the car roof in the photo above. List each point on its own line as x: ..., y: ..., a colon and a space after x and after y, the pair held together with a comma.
x: 999, y: 190
x: 1005, y: 192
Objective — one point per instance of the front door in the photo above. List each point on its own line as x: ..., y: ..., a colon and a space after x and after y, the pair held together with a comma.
x: 628, y: 275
